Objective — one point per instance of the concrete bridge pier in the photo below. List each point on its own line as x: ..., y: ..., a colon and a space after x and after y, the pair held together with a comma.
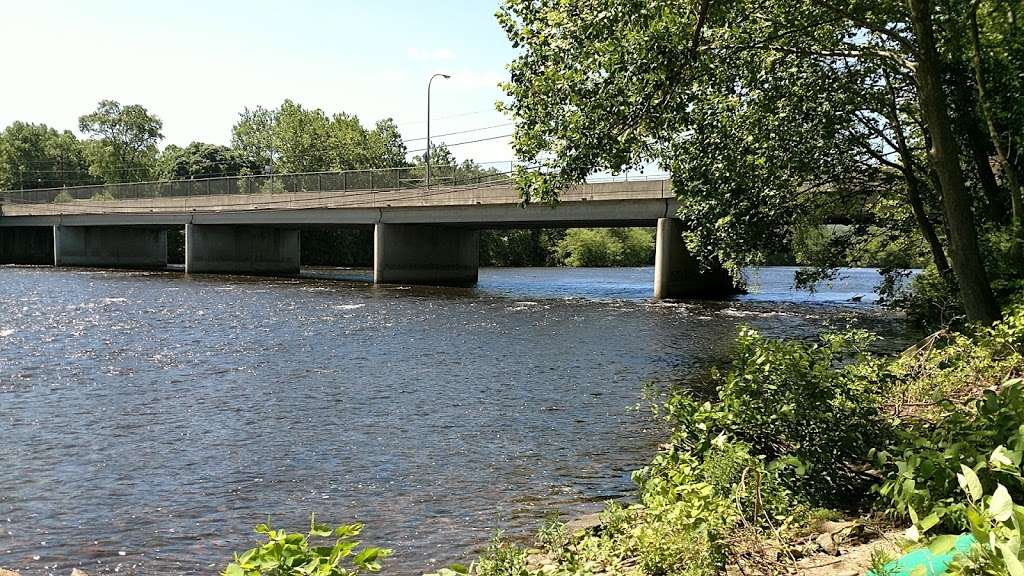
x: 110, y: 247
x: 231, y: 249
x: 26, y: 245
x: 677, y: 274
x: 425, y: 254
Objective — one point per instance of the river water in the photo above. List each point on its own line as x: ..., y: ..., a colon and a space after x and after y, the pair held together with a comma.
x: 149, y: 420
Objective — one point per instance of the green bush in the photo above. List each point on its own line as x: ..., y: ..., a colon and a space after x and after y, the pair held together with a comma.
x: 921, y: 469
x: 997, y: 524
x: 606, y: 247
x: 63, y: 198
x: 293, y: 554
x: 103, y: 196
x: 811, y: 410
x: 666, y: 547
x: 931, y: 300
x: 958, y: 365
x: 501, y: 558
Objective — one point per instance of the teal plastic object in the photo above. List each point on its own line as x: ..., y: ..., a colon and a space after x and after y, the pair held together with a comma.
x: 932, y: 560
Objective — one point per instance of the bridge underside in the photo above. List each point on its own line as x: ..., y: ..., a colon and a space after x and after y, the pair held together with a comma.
x: 425, y: 254
x: 253, y: 250
x: 26, y: 245
x: 110, y: 247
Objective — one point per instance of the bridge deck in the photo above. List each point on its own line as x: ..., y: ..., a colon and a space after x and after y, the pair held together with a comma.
x: 638, y: 202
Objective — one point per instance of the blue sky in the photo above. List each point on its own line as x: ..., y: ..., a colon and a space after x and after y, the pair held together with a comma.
x: 197, y: 64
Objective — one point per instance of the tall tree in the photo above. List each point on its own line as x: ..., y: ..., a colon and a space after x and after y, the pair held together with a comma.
x: 386, y: 148
x: 37, y: 156
x: 308, y: 140
x: 772, y: 115
x: 200, y: 160
x: 126, y: 138
x: 253, y: 136
x: 1004, y: 120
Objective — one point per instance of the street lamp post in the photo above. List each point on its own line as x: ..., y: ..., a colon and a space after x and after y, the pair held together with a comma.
x: 429, y: 83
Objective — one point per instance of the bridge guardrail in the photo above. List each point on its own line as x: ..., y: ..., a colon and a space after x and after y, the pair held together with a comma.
x: 373, y: 179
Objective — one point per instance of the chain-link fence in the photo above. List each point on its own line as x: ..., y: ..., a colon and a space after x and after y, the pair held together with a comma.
x: 410, y: 178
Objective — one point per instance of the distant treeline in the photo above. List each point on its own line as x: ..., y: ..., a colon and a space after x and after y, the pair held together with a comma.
x: 122, y: 145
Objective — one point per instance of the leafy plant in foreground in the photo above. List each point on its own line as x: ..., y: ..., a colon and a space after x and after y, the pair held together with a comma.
x: 994, y: 521
x: 921, y: 471
x: 293, y: 554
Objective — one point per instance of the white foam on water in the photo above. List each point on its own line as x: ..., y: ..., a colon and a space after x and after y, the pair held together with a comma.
x: 4, y: 333
x: 348, y: 306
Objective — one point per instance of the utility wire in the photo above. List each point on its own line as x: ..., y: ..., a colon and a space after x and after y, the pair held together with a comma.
x: 464, y: 114
x: 432, y: 136
x: 452, y: 145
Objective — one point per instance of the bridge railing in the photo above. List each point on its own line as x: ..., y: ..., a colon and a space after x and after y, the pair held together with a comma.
x: 413, y: 177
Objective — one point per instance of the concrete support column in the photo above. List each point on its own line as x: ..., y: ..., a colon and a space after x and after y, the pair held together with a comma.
x: 425, y: 254
x: 674, y: 268
x: 229, y: 249
x: 110, y: 247
x: 677, y: 274
x: 26, y: 245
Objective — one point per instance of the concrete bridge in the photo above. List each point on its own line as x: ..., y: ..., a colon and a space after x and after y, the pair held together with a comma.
x: 245, y: 226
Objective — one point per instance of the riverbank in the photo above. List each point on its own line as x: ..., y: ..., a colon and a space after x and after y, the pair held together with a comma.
x: 806, y: 459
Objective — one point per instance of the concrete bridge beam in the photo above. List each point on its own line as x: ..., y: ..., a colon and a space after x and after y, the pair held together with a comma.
x: 677, y: 274
x: 110, y: 247
x: 26, y: 245
x: 228, y: 249
x: 425, y: 254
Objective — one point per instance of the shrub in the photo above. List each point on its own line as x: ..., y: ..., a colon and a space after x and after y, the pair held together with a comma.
x: 921, y: 468
x: 63, y: 198
x: 812, y: 410
x: 664, y: 546
x: 959, y: 364
x: 997, y: 524
x: 501, y: 558
x: 292, y: 554
x: 103, y: 196
x: 606, y: 247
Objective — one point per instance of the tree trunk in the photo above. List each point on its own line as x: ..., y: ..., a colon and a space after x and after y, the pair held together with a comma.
x: 1013, y: 177
x: 975, y: 291
x: 993, y: 194
x: 970, y: 124
x: 925, y: 224
x: 914, y: 194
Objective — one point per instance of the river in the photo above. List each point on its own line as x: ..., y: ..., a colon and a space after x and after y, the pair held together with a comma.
x: 149, y: 420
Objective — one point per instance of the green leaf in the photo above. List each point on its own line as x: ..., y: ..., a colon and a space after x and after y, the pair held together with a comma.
x: 1013, y: 565
x: 929, y: 522
x: 1000, y: 506
x: 942, y: 544
x: 969, y: 482
x: 1002, y: 457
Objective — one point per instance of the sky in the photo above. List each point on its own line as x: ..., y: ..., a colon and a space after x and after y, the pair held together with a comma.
x: 197, y: 64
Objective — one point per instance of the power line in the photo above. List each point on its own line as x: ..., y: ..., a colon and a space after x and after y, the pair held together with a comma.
x: 464, y: 114
x: 452, y: 145
x: 432, y: 136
